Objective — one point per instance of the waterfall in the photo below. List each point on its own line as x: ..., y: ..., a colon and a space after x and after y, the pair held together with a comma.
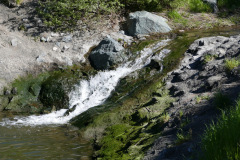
x: 92, y: 92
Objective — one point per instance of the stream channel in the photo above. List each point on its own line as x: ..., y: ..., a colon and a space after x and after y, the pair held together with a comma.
x: 50, y: 136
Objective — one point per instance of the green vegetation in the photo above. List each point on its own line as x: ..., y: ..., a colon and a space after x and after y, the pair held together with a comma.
x: 208, y: 58
x: 221, y: 101
x: 67, y: 14
x: 221, y: 140
x: 230, y: 4
x: 183, y: 137
x: 199, y: 6
x: 126, y: 129
x: 200, y: 98
x: 230, y: 64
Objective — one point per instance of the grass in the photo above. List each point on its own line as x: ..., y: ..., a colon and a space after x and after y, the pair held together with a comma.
x: 230, y: 4
x: 183, y: 137
x: 208, y: 58
x: 200, y: 98
x: 230, y: 64
x: 177, y: 18
x: 221, y: 101
x: 198, y: 6
x: 222, y: 139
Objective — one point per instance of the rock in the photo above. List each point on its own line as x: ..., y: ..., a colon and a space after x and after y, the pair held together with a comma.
x: 213, y: 4
x: 41, y: 57
x: 214, y: 81
x: 67, y: 38
x: 65, y: 47
x: 14, y: 42
x: 58, y: 44
x: 43, y: 39
x: 142, y: 22
x: 54, y: 34
x: 106, y: 54
x: 55, y: 48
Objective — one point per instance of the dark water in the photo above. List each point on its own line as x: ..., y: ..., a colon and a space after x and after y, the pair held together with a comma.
x: 60, y: 142
x: 42, y: 142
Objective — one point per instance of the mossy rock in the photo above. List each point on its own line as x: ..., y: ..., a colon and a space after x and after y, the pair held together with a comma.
x: 55, y: 90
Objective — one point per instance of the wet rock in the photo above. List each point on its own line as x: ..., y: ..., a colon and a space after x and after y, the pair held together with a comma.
x: 106, y: 54
x: 70, y: 110
x: 155, y: 65
x: 142, y: 22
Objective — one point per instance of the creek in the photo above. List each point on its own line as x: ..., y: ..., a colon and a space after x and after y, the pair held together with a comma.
x: 50, y: 136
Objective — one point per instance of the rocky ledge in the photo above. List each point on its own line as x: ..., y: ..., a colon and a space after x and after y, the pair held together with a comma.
x: 203, y: 72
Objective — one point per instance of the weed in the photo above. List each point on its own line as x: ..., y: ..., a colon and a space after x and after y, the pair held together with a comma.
x: 200, y: 98
x: 174, y: 14
x: 230, y: 64
x: 221, y: 100
x: 180, y: 113
x: 208, y: 58
x: 165, y: 117
x: 183, y: 137
x: 184, y: 122
x: 229, y: 4
x: 18, y: 2
x: 221, y: 139
x: 199, y: 6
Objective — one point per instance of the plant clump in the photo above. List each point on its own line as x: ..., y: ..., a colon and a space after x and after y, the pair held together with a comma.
x: 221, y: 139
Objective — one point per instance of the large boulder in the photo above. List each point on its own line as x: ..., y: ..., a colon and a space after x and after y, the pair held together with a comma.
x: 107, y: 54
x: 142, y: 22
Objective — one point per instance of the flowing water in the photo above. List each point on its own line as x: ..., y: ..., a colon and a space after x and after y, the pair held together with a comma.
x: 44, y: 137
x: 92, y: 92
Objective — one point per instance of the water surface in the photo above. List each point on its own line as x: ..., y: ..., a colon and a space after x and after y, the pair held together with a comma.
x: 42, y: 142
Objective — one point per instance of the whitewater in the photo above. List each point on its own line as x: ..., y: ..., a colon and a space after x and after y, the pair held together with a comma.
x: 92, y: 92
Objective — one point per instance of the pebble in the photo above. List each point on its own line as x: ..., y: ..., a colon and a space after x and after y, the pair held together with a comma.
x: 65, y: 48
x: 54, y: 34
x: 67, y: 38
x: 43, y: 39
x: 55, y: 48
x: 14, y: 42
x: 25, y: 20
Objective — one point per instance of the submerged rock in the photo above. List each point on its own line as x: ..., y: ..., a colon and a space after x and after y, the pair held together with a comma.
x: 142, y: 22
x: 106, y: 54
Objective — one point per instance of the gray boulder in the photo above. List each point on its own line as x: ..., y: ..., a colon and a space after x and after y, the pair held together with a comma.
x: 142, y: 22
x: 106, y: 54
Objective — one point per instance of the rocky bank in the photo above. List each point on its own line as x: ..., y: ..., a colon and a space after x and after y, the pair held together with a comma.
x: 201, y: 75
